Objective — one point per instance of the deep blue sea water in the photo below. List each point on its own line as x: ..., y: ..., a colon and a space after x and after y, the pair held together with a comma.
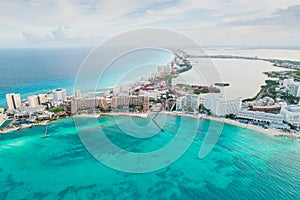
x: 243, y: 165
x: 30, y: 71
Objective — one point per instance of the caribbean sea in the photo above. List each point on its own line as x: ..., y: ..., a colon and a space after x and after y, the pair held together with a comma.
x: 243, y: 165
x: 31, y: 71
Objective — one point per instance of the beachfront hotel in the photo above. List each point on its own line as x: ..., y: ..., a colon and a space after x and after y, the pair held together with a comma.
x: 260, y: 116
x: 291, y: 114
x: 128, y: 103
x: 220, y: 106
x: 59, y: 94
x: 13, y: 101
x: 188, y: 103
x: 83, y: 104
x: 36, y: 100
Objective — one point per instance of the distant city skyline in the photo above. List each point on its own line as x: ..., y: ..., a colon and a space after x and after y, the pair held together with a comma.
x: 260, y: 23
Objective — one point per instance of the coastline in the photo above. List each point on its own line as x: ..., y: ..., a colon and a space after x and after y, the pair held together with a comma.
x: 271, y: 132
x: 24, y: 126
x: 140, y: 115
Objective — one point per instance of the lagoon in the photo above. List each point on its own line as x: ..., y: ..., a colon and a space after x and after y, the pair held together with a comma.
x: 245, y: 76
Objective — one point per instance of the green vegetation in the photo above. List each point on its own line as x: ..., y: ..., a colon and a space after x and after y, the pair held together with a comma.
x: 266, y: 90
x: 186, y: 67
x: 222, y: 84
x: 230, y: 116
x: 205, y: 91
x: 56, y: 110
x: 288, y: 62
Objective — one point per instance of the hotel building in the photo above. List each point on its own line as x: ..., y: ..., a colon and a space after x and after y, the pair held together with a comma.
x: 220, y: 106
x: 36, y: 100
x: 291, y: 114
x: 13, y: 101
x: 59, y: 94
x: 188, y: 103
x: 81, y: 104
x: 260, y: 116
x: 274, y: 120
x: 128, y: 103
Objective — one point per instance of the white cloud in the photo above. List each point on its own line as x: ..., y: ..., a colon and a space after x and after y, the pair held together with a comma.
x: 59, y: 34
x: 37, y: 20
x: 31, y: 37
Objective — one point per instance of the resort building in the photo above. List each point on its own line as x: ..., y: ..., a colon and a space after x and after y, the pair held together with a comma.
x: 84, y: 104
x: 291, y: 114
x: 59, y: 94
x: 13, y: 101
x: 36, y: 100
x: 130, y: 103
x: 274, y: 120
x: 188, y: 103
x: 26, y: 112
x: 260, y: 116
x: 220, y: 106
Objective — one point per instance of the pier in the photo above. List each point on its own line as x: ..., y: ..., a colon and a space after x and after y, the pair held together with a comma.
x: 154, y: 120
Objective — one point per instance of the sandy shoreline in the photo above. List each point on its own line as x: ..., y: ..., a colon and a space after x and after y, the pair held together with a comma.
x: 93, y: 115
x: 141, y: 115
x: 272, y: 132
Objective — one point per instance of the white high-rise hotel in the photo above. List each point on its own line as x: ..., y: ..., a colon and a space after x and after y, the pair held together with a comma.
x: 36, y: 100
x: 59, y: 94
x: 13, y: 101
x: 220, y: 106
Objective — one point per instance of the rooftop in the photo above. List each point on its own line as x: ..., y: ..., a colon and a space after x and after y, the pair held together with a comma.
x: 293, y: 108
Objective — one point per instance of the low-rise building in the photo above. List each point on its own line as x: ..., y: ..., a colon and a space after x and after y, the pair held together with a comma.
x: 26, y: 111
x: 271, y: 108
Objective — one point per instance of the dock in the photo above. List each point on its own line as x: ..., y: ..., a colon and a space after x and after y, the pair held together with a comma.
x: 154, y: 120
x: 46, y: 132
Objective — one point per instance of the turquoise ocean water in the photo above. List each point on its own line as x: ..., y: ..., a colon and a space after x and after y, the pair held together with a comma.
x: 243, y: 165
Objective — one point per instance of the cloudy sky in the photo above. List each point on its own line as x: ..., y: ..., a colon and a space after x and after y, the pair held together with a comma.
x: 210, y: 22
